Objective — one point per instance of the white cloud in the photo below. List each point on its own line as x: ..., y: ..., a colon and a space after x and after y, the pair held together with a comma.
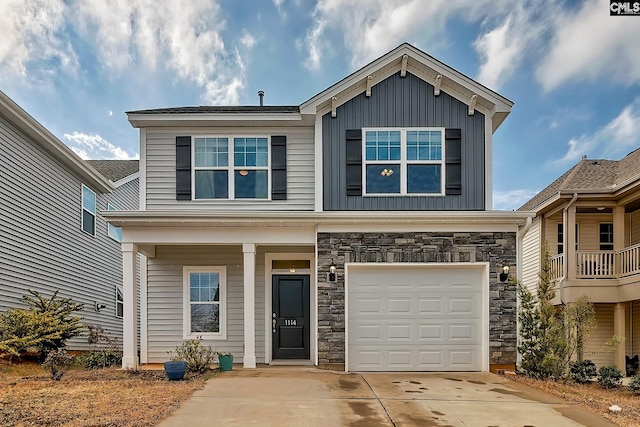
x: 512, y: 199
x: 248, y: 40
x: 279, y: 8
x: 369, y: 28
x: 613, y: 140
x: 92, y: 147
x: 591, y: 44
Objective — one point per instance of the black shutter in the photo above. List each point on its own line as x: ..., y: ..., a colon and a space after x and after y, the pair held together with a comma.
x: 278, y: 168
x: 354, y: 162
x: 183, y: 168
x: 453, y: 161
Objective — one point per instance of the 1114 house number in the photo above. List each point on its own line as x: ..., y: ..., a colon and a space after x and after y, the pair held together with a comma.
x: 290, y: 322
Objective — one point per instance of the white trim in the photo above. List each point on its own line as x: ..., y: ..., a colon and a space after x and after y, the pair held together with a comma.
x: 119, y: 289
x: 222, y: 302
x: 269, y: 257
x: 144, y: 315
x: 142, y: 171
x: 417, y: 228
x: 151, y: 119
x: 319, y: 166
x: 403, y: 161
x: 230, y: 168
x: 249, y: 304
x: 130, y: 318
x: 83, y: 209
x: 488, y: 163
x: 448, y: 265
x: 127, y: 179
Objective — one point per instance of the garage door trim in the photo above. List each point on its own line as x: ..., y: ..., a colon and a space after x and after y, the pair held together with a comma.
x: 481, y: 267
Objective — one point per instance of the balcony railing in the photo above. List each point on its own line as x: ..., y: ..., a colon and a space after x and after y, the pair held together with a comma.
x: 599, y: 264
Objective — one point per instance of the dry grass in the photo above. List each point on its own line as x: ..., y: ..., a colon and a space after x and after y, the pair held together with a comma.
x: 106, y: 397
x: 593, y: 397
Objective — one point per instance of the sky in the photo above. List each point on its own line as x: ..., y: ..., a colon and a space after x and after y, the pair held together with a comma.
x: 572, y: 70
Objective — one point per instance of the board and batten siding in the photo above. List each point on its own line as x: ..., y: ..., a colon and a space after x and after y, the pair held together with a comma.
x: 403, y: 102
x: 42, y: 245
x: 165, y: 296
x: 531, y: 247
x: 161, y: 170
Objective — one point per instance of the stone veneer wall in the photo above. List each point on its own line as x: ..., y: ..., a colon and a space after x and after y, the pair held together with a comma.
x: 496, y: 248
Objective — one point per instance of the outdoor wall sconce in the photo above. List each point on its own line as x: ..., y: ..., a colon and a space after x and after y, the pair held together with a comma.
x: 505, y: 273
x: 97, y: 307
x: 332, y: 272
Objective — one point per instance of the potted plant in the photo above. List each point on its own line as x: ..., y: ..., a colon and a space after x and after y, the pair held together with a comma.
x: 225, y: 360
x: 175, y: 368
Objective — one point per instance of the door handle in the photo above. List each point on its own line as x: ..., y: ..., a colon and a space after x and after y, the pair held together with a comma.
x: 273, y: 323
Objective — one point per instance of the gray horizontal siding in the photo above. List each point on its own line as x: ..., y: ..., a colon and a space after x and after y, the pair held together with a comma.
x: 403, y: 102
x: 161, y: 171
x: 165, y: 296
x: 42, y: 246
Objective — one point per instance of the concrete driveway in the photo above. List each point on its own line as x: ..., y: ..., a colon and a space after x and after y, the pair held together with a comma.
x: 303, y: 396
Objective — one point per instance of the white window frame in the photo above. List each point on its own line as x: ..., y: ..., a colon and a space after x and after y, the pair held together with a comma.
x: 403, y: 161
x: 83, y: 210
x: 230, y: 168
x: 186, y: 303
x: 112, y: 230
x: 119, y: 289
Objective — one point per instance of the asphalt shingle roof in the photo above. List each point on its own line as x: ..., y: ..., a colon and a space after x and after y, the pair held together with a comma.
x: 590, y: 174
x: 115, y: 170
x: 222, y: 109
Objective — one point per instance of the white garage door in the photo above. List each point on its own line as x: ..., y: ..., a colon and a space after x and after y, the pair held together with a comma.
x: 415, y: 318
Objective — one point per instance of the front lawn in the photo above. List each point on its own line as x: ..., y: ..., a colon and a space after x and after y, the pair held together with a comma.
x: 104, y: 397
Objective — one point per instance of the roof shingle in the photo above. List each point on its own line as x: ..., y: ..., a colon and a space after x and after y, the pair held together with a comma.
x: 115, y: 170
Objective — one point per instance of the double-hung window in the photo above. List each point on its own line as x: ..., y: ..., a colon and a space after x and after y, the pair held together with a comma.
x: 112, y: 231
x: 205, y: 302
x: 606, y: 236
x: 88, y: 211
x: 119, y: 301
x: 231, y: 167
x: 407, y: 161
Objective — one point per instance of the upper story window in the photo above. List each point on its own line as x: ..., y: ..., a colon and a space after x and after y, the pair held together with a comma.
x: 561, y: 238
x: 88, y: 210
x: 606, y: 237
x: 112, y: 231
x: 403, y: 161
x: 231, y: 168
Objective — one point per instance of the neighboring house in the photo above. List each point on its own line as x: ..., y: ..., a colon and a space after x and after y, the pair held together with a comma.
x: 355, y: 228
x: 52, y: 236
x: 590, y: 220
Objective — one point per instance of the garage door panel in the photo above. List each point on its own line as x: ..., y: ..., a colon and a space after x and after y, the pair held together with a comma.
x: 418, y: 318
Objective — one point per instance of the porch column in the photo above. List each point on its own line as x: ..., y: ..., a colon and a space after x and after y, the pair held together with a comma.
x: 569, y: 228
x: 618, y: 237
x: 619, y: 316
x: 249, y: 251
x: 130, y: 315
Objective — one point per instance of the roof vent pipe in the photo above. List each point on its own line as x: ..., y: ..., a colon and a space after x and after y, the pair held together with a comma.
x: 261, y: 95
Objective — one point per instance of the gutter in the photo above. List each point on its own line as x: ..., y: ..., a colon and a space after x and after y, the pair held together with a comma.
x: 565, y: 264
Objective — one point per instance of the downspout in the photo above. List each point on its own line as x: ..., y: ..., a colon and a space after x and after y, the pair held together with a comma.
x: 565, y: 264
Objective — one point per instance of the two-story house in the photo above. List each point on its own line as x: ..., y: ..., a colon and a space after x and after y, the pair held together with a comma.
x: 52, y: 236
x: 354, y: 228
x: 590, y: 221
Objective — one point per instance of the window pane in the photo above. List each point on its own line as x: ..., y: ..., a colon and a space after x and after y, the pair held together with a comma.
x: 211, y: 152
x: 88, y: 199
x: 114, y: 232
x: 204, y: 287
x: 383, y: 179
x: 424, y: 145
x: 382, y: 145
x: 423, y: 179
x: 251, y: 184
x: 205, y: 318
x: 212, y: 184
x: 251, y: 152
x: 88, y: 222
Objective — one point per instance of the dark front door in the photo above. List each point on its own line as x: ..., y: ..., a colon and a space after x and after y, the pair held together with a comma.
x: 290, y: 318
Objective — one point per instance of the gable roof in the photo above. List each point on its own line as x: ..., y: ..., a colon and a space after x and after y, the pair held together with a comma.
x: 423, y: 65
x: 590, y: 175
x: 52, y: 145
x: 115, y: 170
x: 221, y: 109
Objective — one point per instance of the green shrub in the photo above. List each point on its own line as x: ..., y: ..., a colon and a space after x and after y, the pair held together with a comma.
x: 57, y: 363
x: 582, y: 372
x: 609, y: 376
x: 46, y: 325
x: 198, y: 357
x: 634, y: 384
x: 100, y: 359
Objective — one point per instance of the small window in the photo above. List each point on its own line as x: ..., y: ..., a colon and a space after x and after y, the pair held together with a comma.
x: 88, y: 211
x: 606, y: 237
x: 205, y: 302
x: 119, y: 301
x: 561, y: 238
x: 404, y: 161
x: 112, y: 231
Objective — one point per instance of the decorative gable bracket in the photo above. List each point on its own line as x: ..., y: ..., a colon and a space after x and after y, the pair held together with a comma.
x: 472, y: 104
x: 437, y: 85
x: 403, y: 67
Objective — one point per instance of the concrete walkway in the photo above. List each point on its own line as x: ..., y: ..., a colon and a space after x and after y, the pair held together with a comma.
x: 302, y: 396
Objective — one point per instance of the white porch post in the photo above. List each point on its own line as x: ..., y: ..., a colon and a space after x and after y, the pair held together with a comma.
x: 618, y: 236
x: 130, y: 315
x: 569, y: 231
x: 619, y: 315
x: 249, y: 251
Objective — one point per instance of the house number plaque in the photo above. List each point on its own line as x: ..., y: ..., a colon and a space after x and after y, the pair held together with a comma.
x: 290, y: 322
